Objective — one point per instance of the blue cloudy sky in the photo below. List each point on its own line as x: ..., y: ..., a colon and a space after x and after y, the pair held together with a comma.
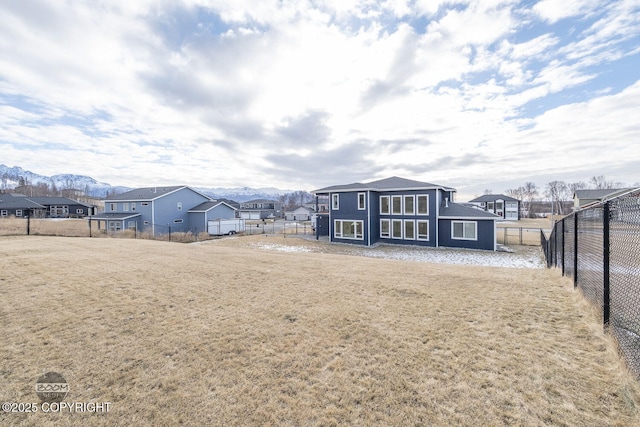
x: 304, y: 94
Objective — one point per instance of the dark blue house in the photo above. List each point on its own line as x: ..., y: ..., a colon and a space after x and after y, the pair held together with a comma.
x: 403, y: 211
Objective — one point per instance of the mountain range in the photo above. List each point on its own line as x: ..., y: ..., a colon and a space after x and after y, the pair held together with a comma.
x: 14, y: 177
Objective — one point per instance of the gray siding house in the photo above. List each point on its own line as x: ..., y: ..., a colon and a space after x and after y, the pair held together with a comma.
x: 261, y: 209
x: 43, y: 207
x: 405, y: 212
x: 199, y: 216
x: 159, y: 210
x: 504, y: 206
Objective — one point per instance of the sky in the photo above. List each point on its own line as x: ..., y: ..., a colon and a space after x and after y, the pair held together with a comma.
x: 475, y: 95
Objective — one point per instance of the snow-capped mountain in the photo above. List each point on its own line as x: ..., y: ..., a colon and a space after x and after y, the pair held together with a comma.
x: 16, y: 176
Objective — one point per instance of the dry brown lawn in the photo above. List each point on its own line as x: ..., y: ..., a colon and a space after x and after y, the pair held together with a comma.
x: 219, y: 333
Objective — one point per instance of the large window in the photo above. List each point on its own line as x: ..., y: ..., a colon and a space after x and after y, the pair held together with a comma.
x: 362, y: 200
x: 396, y: 229
x: 125, y: 207
x: 409, y: 205
x: 385, y: 228
x: 396, y: 205
x: 423, y: 229
x: 464, y: 230
x: 335, y: 202
x: 423, y: 204
x: 384, y: 205
x: 18, y: 212
x: 347, y: 229
x: 409, y: 229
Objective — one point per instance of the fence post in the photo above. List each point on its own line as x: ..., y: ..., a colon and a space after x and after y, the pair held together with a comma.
x: 575, y: 250
x: 606, y: 253
x: 562, y: 260
x: 28, y: 225
x: 169, y: 233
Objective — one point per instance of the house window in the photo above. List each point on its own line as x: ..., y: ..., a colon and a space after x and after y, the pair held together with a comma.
x: 385, y: 228
x: 409, y: 229
x: 335, y: 202
x: 177, y: 221
x: 396, y: 205
x: 4, y: 213
x: 423, y: 230
x: 423, y: 204
x: 362, y: 197
x: 146, y: 222
x: 144, y: 204
x: 18, y: 212
x: 464, y: 230
x: 396, y: 229
x: 133, y: 206
x: 409, y: 205
x: 125, y: 207
x: 112, y: 207
x: 131, y: 225
x: 179, y: 206
x: 347, y: 229
x: 79, y: 211
x: 490, y: 206
x: 384, y: 205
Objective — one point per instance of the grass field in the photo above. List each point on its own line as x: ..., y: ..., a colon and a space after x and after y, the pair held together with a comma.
x: 220, y: 333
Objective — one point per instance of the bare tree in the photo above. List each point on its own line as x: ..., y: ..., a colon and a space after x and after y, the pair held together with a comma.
x: 526, y: 194
x: 557, y: 191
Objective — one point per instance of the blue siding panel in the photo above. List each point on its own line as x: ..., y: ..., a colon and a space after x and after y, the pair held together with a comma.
x: 486, y: 236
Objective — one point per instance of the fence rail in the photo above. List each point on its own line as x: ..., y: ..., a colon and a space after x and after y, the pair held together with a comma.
x: 599, y: 248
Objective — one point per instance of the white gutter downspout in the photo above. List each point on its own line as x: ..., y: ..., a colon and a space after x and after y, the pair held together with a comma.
x: 153, y: 222
x: 368, y: 218
x: 438, y: 195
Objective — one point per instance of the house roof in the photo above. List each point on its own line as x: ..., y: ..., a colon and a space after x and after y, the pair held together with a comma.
x: 57, y: 201
x: 148, y: 193
x: 459, y: 211
x: 493, y: 198
x: 116, y: 216
x: 300, y: 209
x: 386, y: 184
x: 18, y: 203
x: 206, y: 206
x: 598, y: 194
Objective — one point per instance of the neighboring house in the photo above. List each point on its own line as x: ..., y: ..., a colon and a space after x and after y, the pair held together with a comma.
x: 321, y: 205
x: 403, y: 211
x: 585, y: 197
x: 302, y: 213
x: 499, y: 204
x: 64, y: 207
x: 160, y: 210
x: 43, y: 207
x: 261, y: 209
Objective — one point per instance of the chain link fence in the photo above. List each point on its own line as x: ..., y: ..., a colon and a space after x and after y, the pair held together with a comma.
x: 599, y: 248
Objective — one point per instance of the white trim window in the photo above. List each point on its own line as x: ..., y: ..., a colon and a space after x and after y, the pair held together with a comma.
x: 423, y: 229
x: 396, y: 229
x: 179, y: 206
x: 423, y: 204
x: 18, y: 212
x: 409, y: 229
x: 178, y: 221
x: 385, y: 205
x: 80, y: 211
x: 4, y: 212
x: 335, y: 202
x: 409, y: 205
x: 396, y: 205
x: 125, y: 207
x: 348, y: 229
x: 464, y: 230
x: 133, y: 206
x: 362, y: 201
x: 385, y: 228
